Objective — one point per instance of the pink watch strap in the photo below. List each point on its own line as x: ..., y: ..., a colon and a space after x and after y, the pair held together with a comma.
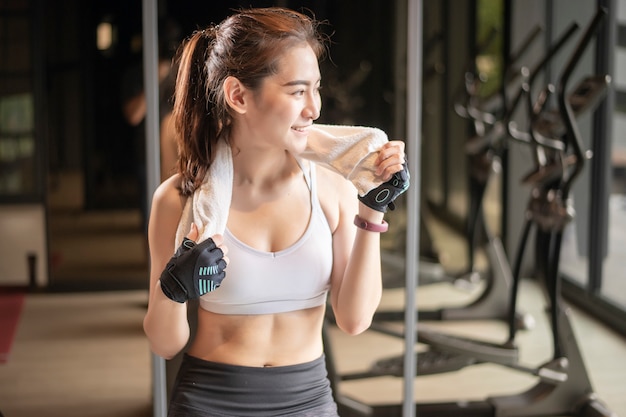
x: 370, y: 227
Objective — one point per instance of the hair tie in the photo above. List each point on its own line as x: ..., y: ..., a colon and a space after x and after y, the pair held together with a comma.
x: 210, y: 32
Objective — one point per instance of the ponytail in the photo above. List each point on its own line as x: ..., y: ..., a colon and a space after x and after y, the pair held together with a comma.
x: 195, y: 117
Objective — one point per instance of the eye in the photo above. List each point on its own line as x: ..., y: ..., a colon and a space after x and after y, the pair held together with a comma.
x: 298, y: 93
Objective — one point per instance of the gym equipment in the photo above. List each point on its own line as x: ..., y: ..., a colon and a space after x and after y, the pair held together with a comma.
x: 495, y: 300
x: 485, y: 113
x: 430, y: 269
x: 563, y: 386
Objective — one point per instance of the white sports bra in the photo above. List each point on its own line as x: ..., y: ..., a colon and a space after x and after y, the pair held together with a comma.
x: 295, y: 278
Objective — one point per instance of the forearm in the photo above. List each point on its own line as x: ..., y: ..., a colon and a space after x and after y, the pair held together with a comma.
x: 165, y: 324
x: 361, y: 287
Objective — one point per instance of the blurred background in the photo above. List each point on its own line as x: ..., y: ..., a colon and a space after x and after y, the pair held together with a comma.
x: 72, y: 164
x: 72, y: 167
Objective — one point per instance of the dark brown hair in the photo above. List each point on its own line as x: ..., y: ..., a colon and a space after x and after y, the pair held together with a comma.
x: 247, y: 46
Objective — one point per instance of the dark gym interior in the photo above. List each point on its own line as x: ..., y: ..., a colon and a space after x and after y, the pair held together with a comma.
x: 521, y: 295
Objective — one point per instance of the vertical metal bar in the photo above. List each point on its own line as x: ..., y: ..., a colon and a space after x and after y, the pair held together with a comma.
x: 151, y: 88
x: 549, y: 37
x: 414, y: 126
x: 445, y: 108
x: 159, y: 387
x: 599, y: 191
x: 399, y: 64
x: 504, y: 157
x: 39, y: 99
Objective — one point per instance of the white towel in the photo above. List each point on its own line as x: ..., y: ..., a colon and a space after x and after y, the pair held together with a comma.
x: 347, y: 150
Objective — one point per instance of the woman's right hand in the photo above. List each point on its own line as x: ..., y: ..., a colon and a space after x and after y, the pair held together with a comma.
x: 195, y: 269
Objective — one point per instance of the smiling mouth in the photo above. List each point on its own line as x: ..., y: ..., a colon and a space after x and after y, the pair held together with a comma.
x: 302, y: 129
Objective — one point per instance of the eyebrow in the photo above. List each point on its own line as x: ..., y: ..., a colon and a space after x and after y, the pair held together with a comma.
x: 299, y: 82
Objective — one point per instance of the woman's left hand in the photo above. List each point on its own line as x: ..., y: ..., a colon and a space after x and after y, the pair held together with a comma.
x: 391, y: 165
x: 391, y: 158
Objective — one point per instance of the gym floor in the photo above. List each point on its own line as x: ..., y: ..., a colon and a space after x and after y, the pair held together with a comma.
x: 84, y: 354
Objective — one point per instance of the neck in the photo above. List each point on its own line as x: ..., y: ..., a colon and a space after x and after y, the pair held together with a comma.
x: 264, y: 168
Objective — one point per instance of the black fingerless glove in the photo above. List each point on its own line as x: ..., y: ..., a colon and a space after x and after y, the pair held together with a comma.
x: 193, y: 271
x: 384, y: 195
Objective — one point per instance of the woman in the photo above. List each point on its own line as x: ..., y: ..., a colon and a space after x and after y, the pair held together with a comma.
x: 253, y: 82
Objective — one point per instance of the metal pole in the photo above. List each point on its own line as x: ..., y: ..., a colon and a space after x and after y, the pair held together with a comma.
x: 151, y: 89
x: 414, y: 125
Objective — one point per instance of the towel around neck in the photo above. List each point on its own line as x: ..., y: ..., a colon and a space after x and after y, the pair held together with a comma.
x: 350, y: 151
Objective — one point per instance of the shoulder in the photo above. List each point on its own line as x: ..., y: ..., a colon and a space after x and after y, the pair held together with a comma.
x: 167, y: 203
x: 329, y: 178
x: 165, y: 214
x: 168, y: 192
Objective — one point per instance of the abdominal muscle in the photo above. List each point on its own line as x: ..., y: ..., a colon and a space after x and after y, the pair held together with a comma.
x: 259, y: 340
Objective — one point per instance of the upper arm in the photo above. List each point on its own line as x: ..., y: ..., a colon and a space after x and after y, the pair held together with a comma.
x: 167, y: 208
x: 340, y: 205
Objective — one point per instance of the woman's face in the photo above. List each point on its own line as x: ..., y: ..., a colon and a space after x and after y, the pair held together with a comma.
x: 288, y: 102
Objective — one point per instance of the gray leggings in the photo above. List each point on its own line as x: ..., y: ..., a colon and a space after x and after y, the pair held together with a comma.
x: 210, y: 389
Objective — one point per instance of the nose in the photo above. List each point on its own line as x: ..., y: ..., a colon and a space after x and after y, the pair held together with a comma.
x: 313, y: 106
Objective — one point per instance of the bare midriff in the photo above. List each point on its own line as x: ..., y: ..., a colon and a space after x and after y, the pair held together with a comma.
x: 259, y: 340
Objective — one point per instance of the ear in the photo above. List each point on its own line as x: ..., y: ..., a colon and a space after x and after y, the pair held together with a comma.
x: 235, y: 94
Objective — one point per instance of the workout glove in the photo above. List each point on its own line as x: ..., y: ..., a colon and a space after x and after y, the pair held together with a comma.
x: 193, y: 271
x: 384, y: 195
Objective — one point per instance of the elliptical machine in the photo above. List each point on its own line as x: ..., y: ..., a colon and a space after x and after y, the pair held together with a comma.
x: 486, y: 114
x: 497, y: 301
x: 563, y: 386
